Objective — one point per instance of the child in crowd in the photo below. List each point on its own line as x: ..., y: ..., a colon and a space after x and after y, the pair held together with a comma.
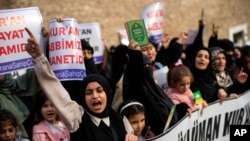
x: 9, y: 127
x: 179, y: 80
x: 48, y: 125
x: 135, y: 113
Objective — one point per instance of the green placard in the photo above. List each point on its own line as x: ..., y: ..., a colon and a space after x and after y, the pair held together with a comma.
x: 136, y: 31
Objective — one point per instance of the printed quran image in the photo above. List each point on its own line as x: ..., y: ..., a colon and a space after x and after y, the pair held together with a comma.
x: 136, y: 31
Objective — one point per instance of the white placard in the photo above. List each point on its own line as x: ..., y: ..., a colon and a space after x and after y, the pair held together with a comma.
x: 13, y: 37
x: 91, y: 32
x: 65, y: 51
x: 153, y: 18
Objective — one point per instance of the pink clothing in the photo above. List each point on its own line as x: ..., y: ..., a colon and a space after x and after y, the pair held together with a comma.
x: 178, y: 98
x: 42, y: 132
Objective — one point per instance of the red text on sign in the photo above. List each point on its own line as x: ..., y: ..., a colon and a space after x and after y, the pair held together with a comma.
x: 155, y: 14
x: 10, y: 35
x: 12, y: 20
x: 17, y: 48
x: 67, y: 59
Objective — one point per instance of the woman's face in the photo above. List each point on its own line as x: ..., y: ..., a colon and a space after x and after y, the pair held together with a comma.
x: 137, y: 121
x: 220, y: 62
x: 202, y: 60
x: 49, y: 112
x: 7, y: 131
x: 150, y: 51
x: 95, y: 97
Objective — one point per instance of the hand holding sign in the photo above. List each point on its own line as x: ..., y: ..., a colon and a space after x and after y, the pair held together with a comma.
x: 32, y: 46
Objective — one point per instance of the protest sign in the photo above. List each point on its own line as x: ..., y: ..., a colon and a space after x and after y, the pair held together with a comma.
x: 153, y: 18
x: 65, y: 51
x: 91, y: 32
x: 13, y: 37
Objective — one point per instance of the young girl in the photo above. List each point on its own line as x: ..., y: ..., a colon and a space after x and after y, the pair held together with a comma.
x: 48, y: 125
x: 135, y: 113
x: 179, y: 80
x: 9, y: 127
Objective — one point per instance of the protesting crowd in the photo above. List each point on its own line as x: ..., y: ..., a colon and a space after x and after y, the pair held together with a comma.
x: 120, y: 99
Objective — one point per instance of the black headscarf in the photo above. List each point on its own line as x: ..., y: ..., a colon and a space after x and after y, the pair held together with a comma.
x: 88, y: 131
x: 204, y: 80
x: 104, y: 83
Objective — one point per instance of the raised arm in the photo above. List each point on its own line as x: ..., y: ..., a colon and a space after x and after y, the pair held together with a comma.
x: 69, y: 111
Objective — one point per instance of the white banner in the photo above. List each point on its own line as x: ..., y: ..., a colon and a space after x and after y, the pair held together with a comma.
x: 213, y: 124
x: 153, y: 18
x: 91, y: 32
x: 13, y: 37
x: 65, y: 51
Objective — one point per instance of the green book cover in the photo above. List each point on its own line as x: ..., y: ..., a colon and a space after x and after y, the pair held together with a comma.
x: 197, y: 97
x: 136, y: 31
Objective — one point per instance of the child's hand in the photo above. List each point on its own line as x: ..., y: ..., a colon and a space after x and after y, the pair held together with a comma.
x: 189, y: 112
x: 204, y: 104
x: 131, y: 137
x: 233, y: 95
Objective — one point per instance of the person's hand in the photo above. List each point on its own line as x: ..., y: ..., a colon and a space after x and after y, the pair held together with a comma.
x: 242, y: 76
x: 189, y: 112
x: 183, y: 37
x: 204, y: 104
x: 133, y: 45
x: 202, y: 23
x: 32, y: 47
x: 234, y: 95
x: 45, y: 34
x: 222, y: 95
x: 165, y: 40
x: 131, y: 137
x: 215, y: 29
x: 59, y: 18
